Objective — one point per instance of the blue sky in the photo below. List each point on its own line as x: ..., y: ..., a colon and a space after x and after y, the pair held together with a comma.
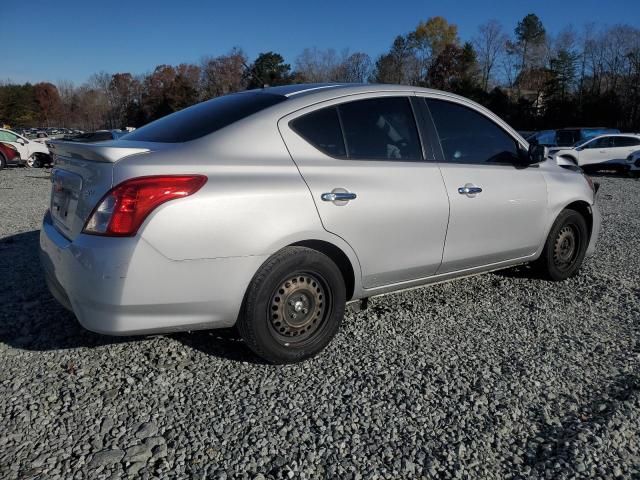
x: 58, y: 39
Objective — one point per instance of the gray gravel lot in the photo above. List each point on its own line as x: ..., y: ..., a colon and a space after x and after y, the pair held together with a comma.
x: 497, y: 376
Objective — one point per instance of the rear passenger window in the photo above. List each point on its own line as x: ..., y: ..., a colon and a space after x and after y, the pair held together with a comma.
x: 626, y: 141
x: 322, y: 130
x: 467, y: 136
x: 380, y: 128
x: 372, y: 129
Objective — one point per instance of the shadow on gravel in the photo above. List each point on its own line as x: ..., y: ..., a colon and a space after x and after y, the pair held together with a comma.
x: 224, y: 343
x: 521, y: 271
x: 562, y: 439
x: 31, y: 319
x: 612, y: 174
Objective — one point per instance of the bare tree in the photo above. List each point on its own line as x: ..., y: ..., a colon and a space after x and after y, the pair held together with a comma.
x: 357, y: 67
x: 490, y: 44
x: 315, y: 65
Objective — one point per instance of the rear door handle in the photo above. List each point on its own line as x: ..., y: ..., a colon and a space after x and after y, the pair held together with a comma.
x: 338, y: 196
x: 469, y: 190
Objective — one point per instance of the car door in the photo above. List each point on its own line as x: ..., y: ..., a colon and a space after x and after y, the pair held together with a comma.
x: 363, y: 162
x: 599, y: 150
x: 498, y: 206
x: 19, y: 143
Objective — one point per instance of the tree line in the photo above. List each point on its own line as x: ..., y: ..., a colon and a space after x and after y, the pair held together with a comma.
x: 531, y: 78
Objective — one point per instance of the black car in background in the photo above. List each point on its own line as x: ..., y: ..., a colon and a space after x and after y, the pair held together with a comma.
x: 97, y: 136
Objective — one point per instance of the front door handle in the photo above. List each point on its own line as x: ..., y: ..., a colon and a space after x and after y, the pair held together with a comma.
x: 338, y: 196
x: 469, y: 190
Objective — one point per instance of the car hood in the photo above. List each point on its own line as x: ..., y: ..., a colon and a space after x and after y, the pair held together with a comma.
x: 39, y: 147
x: 561, y: 149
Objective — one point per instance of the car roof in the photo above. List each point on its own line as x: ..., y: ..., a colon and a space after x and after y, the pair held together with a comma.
x: 616, y: 135
x: 303, y: 95
x: 326, y: 91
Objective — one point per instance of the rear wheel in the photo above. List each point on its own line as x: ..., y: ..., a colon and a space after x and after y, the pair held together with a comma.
x: 293, y: 306
x: 565, y: 247
x: 3, y: 162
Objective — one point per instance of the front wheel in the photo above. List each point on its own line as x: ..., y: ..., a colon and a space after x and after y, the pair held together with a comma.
x: 33, y: 161
x: 294, y: 306
x: 565, y: 247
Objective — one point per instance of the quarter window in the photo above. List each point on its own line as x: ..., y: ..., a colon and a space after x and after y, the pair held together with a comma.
x: 467, y: 136
x: 322, y: 130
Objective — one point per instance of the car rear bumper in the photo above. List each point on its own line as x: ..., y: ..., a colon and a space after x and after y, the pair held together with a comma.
x: 123, y: 286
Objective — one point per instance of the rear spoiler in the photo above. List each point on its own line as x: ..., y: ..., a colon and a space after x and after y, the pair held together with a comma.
x: 94, y: 152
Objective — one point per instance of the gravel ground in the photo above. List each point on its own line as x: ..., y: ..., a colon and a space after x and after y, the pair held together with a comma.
x: 497, y: 376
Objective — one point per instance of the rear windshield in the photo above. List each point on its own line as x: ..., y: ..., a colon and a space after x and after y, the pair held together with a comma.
x: 204, y: 118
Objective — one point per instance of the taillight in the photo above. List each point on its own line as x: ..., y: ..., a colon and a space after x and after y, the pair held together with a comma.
x: 123, y: 209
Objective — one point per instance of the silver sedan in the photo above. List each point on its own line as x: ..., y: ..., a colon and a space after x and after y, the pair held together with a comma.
x: 271, y: 209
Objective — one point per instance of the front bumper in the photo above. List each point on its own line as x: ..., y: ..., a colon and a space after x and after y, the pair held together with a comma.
x: 123, y: 286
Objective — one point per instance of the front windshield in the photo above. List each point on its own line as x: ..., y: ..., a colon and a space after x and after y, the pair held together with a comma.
x: 582, y: 142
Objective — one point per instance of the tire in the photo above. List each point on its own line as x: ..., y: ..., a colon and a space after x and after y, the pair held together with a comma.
x: 565, y: 247
x: 32, y: 161
x: 293, y: 307
x: 3, y: 162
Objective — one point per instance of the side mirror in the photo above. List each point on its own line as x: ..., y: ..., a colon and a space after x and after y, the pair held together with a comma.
x: 538, y: 153
x: 20, y: 141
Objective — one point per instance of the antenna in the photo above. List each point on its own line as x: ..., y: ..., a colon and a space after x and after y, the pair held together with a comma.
x: 252, y: 73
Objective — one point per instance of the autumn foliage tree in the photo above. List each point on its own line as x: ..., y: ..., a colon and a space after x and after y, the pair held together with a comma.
x: 48, y: 99
x: 530, y: 77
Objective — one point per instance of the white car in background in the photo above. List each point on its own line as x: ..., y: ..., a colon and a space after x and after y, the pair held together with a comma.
x: 633, y: 163
x: 611, y: 150
x: 35, y: 154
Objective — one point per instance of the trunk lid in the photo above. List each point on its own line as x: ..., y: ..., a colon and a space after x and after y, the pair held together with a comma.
x: 82, y: 174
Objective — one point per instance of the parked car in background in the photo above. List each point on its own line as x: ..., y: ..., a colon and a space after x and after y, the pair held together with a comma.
x: 567, y: 137
x: 526, y: 133
x: 33, y: 153
x: 343, y: 192
x: 41, y: 137
x: 633, y: 162
x: 604, y: 151
x: 546, y: 138
x: 97, y: 136
x: 9, y: 155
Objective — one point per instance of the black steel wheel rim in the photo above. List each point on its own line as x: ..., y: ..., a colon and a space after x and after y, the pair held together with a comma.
x: 299, y: 307
x: 566, y: 247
